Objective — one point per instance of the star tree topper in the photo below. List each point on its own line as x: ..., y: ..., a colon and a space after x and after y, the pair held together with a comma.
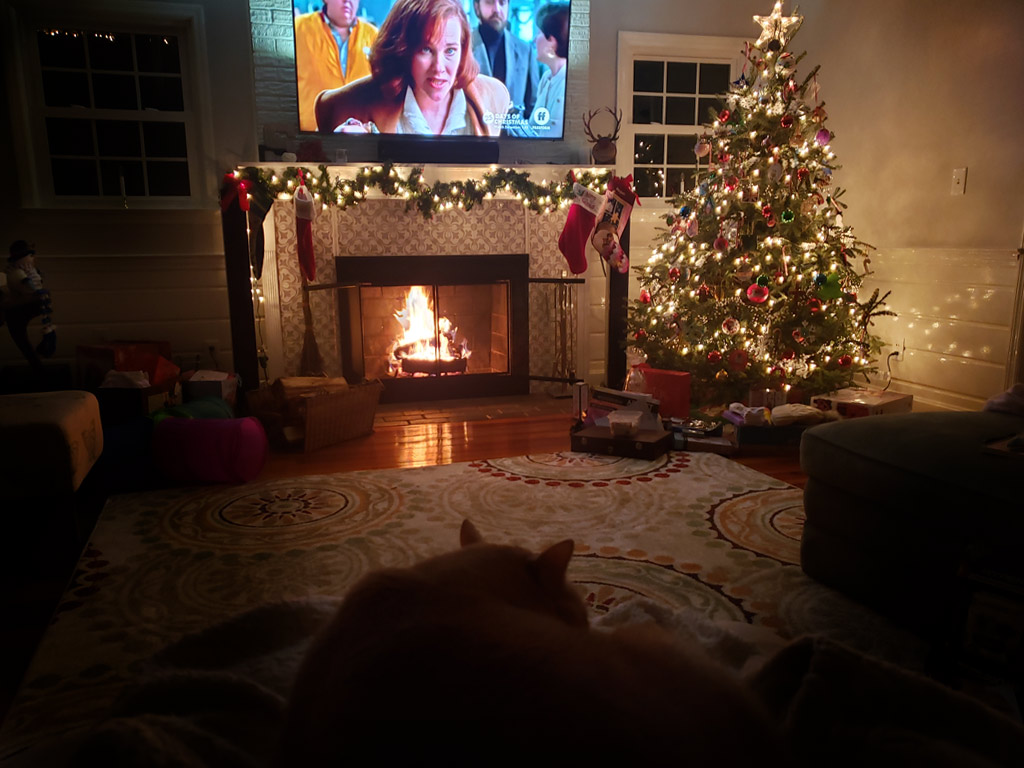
x: 776, y: 26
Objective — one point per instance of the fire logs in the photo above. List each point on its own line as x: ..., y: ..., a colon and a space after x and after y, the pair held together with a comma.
x: 411, y: 365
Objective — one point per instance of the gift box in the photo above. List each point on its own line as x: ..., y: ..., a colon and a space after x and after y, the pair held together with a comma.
x: 859, y: 401
x: 670, y: 388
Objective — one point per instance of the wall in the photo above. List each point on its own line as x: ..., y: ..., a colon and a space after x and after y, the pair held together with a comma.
x: 913, y: 90
x: 144, y: 274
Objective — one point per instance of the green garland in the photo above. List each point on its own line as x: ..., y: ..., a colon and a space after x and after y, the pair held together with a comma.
x: 428, y: 199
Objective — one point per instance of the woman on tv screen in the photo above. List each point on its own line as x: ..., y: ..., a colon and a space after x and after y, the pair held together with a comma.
x: 552, y: 50
x: 424, y: 80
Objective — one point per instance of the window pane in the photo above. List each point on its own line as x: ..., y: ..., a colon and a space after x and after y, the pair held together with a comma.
x: 163, y: 93
x: 118, y: 138
x: 61, y: 49
x: 165, y: 139
x: 156, y: 53
x: 708, y: 109
x: 69, y: 137
x: 74, y: 177
x: 115, y: 91
x: 647, y: 110
x: 714, y: 78
x: 65, y: 89
x: 680, y: 150
x: 649, y: 76
x: 647, y: 182
x: 675, y: 179
x: 680, y: 110
x: 112, y: 172
x: 649, y: 149
x: 108, y: 51
x: 682, y: 77
x: 167, y: 178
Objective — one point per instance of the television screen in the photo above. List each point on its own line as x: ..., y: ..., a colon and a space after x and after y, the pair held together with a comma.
x: 436, y: 68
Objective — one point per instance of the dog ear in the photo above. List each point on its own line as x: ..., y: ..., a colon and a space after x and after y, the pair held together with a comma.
x: 553, y: 562
x: 468, y: 534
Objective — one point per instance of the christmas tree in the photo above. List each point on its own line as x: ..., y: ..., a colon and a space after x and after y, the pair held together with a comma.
x: 754, y: 285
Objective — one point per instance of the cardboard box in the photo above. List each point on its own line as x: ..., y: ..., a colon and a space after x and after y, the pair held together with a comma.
x: 671, y: 389
x: 197, y: 384
x: 858, y: 401
x: 645, y: 444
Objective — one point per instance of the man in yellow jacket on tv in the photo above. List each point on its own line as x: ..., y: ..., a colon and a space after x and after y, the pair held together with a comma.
x: 332, y: 48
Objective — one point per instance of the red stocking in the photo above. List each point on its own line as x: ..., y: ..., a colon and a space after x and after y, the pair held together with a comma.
x: 578, y: 226
x: 304, y: 232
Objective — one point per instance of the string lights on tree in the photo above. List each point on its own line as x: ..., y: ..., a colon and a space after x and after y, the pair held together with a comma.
x: 754, y: 283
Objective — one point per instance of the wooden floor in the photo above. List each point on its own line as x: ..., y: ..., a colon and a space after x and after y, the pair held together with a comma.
x: 422, y: 434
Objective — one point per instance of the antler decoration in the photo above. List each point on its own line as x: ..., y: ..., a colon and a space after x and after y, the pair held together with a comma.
x: 603, y: 151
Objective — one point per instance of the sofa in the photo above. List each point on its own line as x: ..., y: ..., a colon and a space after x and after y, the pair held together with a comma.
x: 905, y: 511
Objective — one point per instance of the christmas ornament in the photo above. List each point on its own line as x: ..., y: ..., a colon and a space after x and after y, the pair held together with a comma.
x: 797, y: 336
x: 731, y: 326
x: 802, y: 174
x: 684, y: 211
x: 692, y: 228
x: 831, y: 289
x: 714, y: 357
x: 704, y: 292
x: 720, y: 244
x: 786, y: 121
x: 845, y: 361
x: 774, y: 173
x: 673, y: 273
x: 702, y: 147
x: 788, y: 354
x: 645, y: 296
x: 818, y: 114
x: 823, y: 137
x: 766, y: 211
x: 820, y: 278
x: 814, y: 304
x: 757, y: 293
x: 640, y: 335
x: 776, y: 27
x: 723, y: 116
x: 738, y: 359
x: 721, y: 375
x: 763, y: 280
x: 787, y: 217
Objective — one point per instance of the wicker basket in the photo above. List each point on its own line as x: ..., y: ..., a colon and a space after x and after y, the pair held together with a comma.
x: 332, y: 417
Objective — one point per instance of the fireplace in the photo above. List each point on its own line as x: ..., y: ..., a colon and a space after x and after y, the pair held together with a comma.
x: 436, y: 327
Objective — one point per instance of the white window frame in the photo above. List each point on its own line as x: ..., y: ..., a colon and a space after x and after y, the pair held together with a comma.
x: 21, y: 19
x: 665, y: 47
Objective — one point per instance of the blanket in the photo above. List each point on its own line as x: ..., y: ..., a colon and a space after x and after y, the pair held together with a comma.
x: 217, y: 697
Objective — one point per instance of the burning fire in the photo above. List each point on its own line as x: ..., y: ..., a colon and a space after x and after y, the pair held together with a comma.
x: 420, y: 340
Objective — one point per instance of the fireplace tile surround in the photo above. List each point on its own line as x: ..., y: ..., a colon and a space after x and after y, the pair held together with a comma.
x: 384, y: 228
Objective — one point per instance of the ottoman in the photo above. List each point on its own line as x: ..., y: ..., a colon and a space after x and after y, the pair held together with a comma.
x: 899, y: 506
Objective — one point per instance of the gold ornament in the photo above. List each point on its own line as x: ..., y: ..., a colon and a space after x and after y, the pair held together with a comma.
x: 776, y: 26
x: 722, y: 375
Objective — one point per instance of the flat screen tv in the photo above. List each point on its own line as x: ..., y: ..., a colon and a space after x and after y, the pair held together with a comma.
x: 432, y: 80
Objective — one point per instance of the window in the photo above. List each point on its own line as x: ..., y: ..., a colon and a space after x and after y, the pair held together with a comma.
x: 110, y: 109
x: 668, y: 86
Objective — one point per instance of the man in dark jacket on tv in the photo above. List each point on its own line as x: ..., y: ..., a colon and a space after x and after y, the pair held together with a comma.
x: 504, y: 56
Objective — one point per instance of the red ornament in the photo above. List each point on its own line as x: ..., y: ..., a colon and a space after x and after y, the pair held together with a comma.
x: 723, y: 116
x: 802, y: 174
x: 738, y: 359
x: 786, y: 121
x: 645, y: 296
x: 766, y: 211
x: 640, y: 335
x: 720, y: 244
x: 845, y: 361
x: 673, y: 273
x: 814, y: 304
x: 757, y: 293
x: 714, y: 357
x: 797, y: 336
x: 788, y: 354
x: 704, y: 292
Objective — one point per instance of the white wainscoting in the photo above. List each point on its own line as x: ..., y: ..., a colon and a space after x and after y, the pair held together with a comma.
x: 955, y: 318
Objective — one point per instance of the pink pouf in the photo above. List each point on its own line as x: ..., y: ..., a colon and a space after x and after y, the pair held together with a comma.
x: 210, y: 450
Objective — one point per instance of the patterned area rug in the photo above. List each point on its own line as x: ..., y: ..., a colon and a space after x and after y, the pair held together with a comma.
x: 686, y: 531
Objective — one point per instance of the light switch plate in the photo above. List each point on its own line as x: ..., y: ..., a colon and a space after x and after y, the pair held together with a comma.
x: 959, y: 182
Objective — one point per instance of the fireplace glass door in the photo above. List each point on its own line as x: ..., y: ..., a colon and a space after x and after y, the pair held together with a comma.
x: 414, y: 331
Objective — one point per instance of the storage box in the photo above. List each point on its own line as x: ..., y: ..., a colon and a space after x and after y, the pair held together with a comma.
x: 859, y: 401
x: 671, y: 389
x: 645, y: 444
x: 197, y: 384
